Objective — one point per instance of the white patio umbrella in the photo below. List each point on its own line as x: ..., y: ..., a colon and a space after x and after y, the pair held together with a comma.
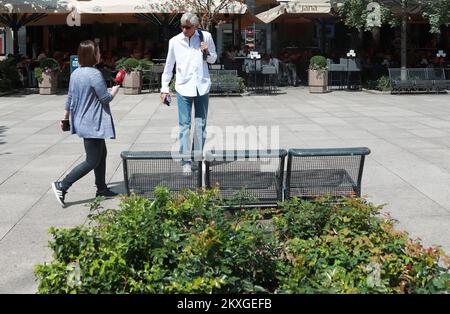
x: 34, y: 6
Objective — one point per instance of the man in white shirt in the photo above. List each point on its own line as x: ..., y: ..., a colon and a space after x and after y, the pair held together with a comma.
x: 192, y: 84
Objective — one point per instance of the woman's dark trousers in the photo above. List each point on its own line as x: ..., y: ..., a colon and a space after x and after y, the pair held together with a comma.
x: 95, y: 160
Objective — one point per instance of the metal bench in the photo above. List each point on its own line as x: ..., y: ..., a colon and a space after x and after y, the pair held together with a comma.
x: 256, y: 173
x: 396, y: 82
x: 224, y: 81
x: 418, y: 80
x: 315, y: 172
x: 337, y: 74
x: 143, y: 171
x: 440, y: 80
x: 345, y: 74
x: 269, y: 79
x: 152, y: 78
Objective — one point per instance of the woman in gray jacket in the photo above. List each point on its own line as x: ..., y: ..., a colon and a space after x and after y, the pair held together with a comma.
x: 88, y: 108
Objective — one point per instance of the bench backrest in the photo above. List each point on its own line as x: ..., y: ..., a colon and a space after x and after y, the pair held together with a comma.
x: 415, y: 74
x: 354, y: 65
x: 144, y: 171
x: 315, y: 172
x: 158, y: 68
x: 394, y: 74
x: 337, y: 67
x: 436, y: 74
x: 228, y: 72
x: 259, y: 175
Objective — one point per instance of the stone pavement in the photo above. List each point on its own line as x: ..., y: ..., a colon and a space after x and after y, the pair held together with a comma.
x: 409, y: 167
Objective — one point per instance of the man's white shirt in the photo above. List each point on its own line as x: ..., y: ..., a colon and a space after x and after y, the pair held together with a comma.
x: 192, y: 71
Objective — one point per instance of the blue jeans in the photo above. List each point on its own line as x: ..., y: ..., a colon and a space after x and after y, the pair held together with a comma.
x: 184, y: 123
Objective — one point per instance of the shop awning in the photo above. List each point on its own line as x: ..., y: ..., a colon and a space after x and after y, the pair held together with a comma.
x: 152, y: 6
x: 115, y: 6
x: 296, y: 7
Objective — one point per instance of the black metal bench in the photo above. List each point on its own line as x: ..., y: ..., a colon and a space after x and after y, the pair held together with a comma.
x: 143, y: 171
x: 256, y: 173
x: 418, y: 80
x: 315, y: 172
x: 224, y: 81
x: 345, y: 74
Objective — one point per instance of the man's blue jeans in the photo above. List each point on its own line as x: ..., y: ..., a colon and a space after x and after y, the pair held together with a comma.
x: 184, y: 122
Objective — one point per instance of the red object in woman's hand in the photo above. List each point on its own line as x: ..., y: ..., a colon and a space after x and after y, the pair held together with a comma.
x: 120, y: 77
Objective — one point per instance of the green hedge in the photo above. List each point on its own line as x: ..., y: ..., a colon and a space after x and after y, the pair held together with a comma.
x: 188, y: 244
x: 132, y: 64
x: 9, y: 75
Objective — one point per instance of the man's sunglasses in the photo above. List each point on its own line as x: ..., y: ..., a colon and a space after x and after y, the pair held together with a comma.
x: 186, y: 26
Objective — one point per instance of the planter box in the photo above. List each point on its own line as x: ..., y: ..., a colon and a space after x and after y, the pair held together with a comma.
x: 318, y: 81
x: 49, y: 84
x: 132, y: 84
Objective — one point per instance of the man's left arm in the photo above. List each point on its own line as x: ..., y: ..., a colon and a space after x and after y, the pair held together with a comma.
x: 212, y: 54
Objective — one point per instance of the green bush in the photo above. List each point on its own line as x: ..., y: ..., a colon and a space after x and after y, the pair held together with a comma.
x: 318, y: 63
x: 47, y: 66
x: 383, y: 83
x: 9, y: 75
x: 5, y: 85
x: 241, y: 83
x: 349, y: 248
x: 49, y: 63
x: 129, y: 64
x: 38, y: 74
x: 145, y: 64
x: 189, y: 244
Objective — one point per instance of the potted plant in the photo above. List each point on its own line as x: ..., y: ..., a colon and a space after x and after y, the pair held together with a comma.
x: 47, y: 76
x: 318, y: 75
x: 132, y: 83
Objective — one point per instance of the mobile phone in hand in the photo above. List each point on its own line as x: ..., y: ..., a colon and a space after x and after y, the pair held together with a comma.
x: 65, y: 125
x: 168, y: 100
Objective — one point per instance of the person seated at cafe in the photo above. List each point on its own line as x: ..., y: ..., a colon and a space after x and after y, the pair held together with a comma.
x: 290, y: 68
x: 137, y: 54
x: 244, y: 52
x: 148, y: 56
x: 230, y: 53
x: 266, y: 61
x: 110, y: 60
x: 423, y: 61
x: 102, y: 64
x: 42, y: 55
x: 251, y: 64
x: 229, y: 58
x: 277, y: 64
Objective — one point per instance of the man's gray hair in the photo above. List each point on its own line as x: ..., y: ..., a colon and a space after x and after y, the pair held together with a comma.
x: 191, y: 17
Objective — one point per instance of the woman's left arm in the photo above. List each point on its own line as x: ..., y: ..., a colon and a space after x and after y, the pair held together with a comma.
x: 99, y: 85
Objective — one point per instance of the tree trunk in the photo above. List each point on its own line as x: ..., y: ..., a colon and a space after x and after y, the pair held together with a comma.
x: 360, y: 40
x: 323, y: 35
x: 376, y: 37
x: 403, y: 40
x: 16, y: 41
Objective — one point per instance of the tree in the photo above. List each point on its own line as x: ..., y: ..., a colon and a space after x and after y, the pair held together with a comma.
x: 393, y: 13
x: 209, y: 11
